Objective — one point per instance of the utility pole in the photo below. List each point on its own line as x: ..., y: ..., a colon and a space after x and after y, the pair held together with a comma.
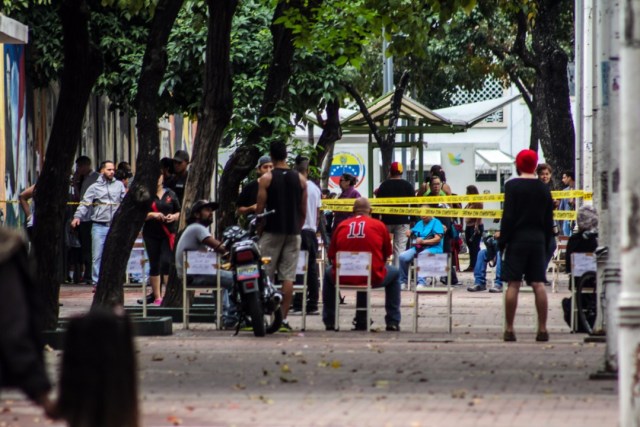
x: 629, y: 302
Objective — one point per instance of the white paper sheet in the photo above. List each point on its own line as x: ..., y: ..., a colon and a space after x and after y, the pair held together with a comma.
x: 201, y: 262
x: 136, y: 262
x: 354, y: 263
x: 582, y: 263
x: 432, y: 265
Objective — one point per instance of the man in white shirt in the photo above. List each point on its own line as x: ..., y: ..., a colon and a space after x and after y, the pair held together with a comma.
x: 309, y: 239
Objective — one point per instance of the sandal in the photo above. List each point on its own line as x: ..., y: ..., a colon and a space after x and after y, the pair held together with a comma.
x: 509, y: 336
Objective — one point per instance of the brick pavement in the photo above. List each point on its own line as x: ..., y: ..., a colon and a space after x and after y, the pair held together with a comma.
x: 204, y: 377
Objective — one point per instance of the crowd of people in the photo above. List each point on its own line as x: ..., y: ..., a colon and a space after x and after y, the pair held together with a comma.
x: 520, y: 250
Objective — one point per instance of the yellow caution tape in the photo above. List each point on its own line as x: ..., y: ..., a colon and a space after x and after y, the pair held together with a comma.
x: 449, y: 213
x: 469, y: 198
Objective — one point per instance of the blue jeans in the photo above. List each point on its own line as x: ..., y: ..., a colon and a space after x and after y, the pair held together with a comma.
x: 98, y: 236
x: 391, y: 286
x: 229, y: 311
x: 480, y: 270
x: 405, y: 260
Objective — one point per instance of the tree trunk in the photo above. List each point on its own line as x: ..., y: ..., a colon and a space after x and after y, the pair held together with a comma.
x: 130, y: 217
x: 331, y: 132
x: 386, y: 147
x: 81, y: 68
x: 214, y: 117
x: 244, y: 159
x: 551, y: 91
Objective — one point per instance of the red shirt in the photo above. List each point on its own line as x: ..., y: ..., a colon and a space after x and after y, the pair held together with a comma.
x: 363, y: 234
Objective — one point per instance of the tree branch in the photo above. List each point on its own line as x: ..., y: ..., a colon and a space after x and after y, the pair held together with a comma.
x: 365, y: 112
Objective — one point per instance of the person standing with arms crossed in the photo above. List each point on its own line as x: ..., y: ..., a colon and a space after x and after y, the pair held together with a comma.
x: 284, y: 191
x: 525, y: 231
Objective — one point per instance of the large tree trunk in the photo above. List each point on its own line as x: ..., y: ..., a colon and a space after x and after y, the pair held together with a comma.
x: 246, y: 156
x: 82, y: 66
x: 214, y: 117
x: 130, y: 216
x: 554, y: 122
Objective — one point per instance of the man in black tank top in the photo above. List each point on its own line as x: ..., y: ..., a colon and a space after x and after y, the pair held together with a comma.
x: 284, y: 190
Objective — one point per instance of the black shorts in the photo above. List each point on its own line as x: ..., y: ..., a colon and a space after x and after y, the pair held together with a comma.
x: 524, y: 259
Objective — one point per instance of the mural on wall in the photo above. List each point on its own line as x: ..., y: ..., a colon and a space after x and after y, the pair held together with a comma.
x: 344, y: 162
x: 15, y: 135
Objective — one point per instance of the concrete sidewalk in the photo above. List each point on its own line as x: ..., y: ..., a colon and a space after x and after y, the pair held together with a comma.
x: 204, y: 377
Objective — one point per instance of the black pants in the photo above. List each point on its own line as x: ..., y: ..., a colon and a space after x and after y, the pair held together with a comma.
x: 84, y: 233
x: 309, y: 243
x: 473, y: 243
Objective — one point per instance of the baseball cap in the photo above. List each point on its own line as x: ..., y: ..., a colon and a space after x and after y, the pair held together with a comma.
x: 263, y: 160
x: 526, y: 161
x: 396, y: 168
x: 181, y: 156
x: 201, y: 204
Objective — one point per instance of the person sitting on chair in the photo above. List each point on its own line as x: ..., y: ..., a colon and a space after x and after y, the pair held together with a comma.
x: 361, y: 233
x: 586, y: 239
x: 427, y: 235
x: 485, y: 256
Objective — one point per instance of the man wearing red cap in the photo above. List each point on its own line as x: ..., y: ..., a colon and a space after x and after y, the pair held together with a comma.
x: 525, y: 231
x: 397, y: 225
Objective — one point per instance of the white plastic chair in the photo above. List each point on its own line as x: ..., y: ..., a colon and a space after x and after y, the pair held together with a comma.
x: 353, y: 264
x: 433, y: 266
x: 206, y: 263
x: 581, y: 263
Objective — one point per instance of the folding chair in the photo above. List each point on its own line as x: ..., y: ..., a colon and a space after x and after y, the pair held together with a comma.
x: 136, y: 265
x: 558, y: 260
x: 205, y: 263
x: 433, y: 266
x: 353, y: 264
x: 302, y: 269
x: 581, y: 263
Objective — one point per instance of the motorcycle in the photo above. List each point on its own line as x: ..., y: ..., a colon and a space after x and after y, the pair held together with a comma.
x: 257, y: 300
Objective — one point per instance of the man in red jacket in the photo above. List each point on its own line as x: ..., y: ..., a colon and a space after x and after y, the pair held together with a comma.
x: 361, y: 233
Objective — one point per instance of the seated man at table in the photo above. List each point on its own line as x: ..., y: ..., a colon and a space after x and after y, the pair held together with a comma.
x: 195, y: 237
x: 361, y: 233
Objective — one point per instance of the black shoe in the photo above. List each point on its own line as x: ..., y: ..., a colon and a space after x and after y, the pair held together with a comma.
x: 393, y: 327
x: 476, y: 288
x: 360, y: 326
x: 150, y: 299
x: 313, y: 312
x: 329, y: 328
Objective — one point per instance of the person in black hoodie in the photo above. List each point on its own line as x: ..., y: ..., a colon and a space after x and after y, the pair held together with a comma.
x: 525, y: 232
x: 21, y: 348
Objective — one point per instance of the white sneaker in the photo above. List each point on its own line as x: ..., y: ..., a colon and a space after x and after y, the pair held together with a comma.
x: 421, y: 287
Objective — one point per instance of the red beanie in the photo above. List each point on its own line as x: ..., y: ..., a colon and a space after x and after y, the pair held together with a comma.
x: 526, y: 161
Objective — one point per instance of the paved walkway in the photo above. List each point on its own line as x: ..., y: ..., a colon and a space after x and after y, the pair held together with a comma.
x: 204, y: 377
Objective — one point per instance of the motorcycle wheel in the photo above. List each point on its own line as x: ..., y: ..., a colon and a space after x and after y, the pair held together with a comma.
x: 254, y: 307
x: 276, y: 321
